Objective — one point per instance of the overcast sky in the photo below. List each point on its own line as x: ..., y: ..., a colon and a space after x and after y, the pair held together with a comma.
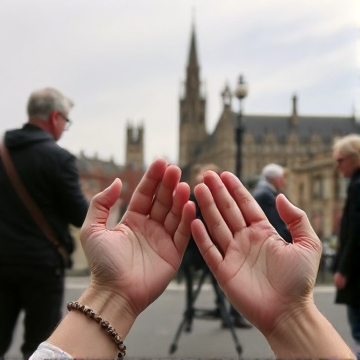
x: 123, y: 61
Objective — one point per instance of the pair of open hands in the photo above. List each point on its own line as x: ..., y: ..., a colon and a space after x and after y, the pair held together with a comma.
x: 264, y: 277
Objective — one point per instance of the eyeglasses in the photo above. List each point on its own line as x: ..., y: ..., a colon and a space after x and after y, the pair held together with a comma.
x: 68, y: 121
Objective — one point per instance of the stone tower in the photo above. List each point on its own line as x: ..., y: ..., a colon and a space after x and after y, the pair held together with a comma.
x: 192, y: 108
x: 135, y: 146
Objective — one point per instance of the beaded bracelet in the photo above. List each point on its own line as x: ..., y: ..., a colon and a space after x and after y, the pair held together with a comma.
x: 103, y: 323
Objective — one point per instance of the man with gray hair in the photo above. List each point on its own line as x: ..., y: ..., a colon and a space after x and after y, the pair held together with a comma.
x: 270, y: 185
x: 31, y: 269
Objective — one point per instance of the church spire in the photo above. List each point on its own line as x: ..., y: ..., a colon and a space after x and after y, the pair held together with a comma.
x: 192, y: 77
x: 192, y: 108
x: 193, y: 60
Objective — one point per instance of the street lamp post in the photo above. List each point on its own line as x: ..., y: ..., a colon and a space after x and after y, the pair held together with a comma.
x: 240, y: 92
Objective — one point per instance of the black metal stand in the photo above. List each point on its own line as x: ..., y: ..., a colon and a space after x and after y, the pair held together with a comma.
x: 194, y: 313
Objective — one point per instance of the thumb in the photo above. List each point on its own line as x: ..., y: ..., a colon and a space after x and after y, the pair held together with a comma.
x: 99, y: 208
x: 298, y: 223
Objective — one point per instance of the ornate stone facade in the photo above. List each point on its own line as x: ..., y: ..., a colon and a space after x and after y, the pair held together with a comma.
x: 315, y: 186
x: 302, y: 144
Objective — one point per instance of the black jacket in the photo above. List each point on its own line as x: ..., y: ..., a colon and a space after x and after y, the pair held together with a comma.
x: 347, y: 260
x: 192, y: 256
x: 50, y: 175
x: 265, y: 195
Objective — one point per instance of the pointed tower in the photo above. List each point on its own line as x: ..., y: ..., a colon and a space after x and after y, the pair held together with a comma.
x: 192, y: 108
x: 135, y: 146
x: 294, y: 115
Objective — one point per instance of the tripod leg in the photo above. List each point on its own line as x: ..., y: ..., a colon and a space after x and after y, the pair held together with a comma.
x: 225, y: 315
x: 189, y: 312
x: 174, y: 346
x: 205, y: 272
x: 191, y: 296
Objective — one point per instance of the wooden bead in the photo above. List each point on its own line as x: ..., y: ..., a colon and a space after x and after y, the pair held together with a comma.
x: 103, y: 323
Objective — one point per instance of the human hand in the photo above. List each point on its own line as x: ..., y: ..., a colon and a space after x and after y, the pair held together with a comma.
x: 264, y: 277
x: 339, y: 280
x: 137, y: 259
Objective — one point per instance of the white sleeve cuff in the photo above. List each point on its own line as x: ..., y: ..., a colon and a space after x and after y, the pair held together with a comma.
x: 47, y: 351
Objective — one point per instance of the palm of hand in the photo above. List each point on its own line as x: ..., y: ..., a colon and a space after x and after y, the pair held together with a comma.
x: 275, y: 275
x: 140, y: 259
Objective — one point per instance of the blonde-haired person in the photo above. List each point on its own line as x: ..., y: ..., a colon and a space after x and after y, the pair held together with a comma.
x: 346, y: 154
x: 198, y: 170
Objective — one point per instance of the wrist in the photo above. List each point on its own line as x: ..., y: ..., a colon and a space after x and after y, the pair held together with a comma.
x: 296, y: 335
x: 94, y: 341
x: 112, y: 307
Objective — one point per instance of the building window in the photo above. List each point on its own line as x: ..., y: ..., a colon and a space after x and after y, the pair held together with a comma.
x: 317, y: 187
x: 317, y: 222
x: 326, y: 189
x: 343, y: 185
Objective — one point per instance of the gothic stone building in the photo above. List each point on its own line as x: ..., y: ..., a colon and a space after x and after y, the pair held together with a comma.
x: 302, y: 144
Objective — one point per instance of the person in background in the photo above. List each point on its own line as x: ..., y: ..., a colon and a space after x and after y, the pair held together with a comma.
x: 132, y: 264
x: 31, y: 269
x: 268, y: 188
x: 346, y: 154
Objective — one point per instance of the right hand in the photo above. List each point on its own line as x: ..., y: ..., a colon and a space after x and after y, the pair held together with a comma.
x: 264, y: 277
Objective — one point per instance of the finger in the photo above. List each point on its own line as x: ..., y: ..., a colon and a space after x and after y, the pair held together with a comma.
x: 99, y: 208
x: 217, y: 227
x: 142, y: 199
x: 249, y: 208
x: 163, y: 200
x: 183, y: 231
x: 173, y: 217
x: 207, y: 248
x: 298, y: 223
x: 224, y: 202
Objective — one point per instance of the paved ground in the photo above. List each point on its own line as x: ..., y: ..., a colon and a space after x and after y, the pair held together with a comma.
x: 155, y: 329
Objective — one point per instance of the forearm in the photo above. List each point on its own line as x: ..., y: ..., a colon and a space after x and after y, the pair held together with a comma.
x: 82, y: 337
x: 308, y: 335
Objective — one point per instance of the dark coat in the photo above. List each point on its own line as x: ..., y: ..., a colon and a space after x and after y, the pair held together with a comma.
x: 50, y: 175
x: 265, y: 194
x: 192, y: 256
x: 347, y: 260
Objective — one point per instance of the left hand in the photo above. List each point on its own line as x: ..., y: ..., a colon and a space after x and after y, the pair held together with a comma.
x: 137, y: 259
